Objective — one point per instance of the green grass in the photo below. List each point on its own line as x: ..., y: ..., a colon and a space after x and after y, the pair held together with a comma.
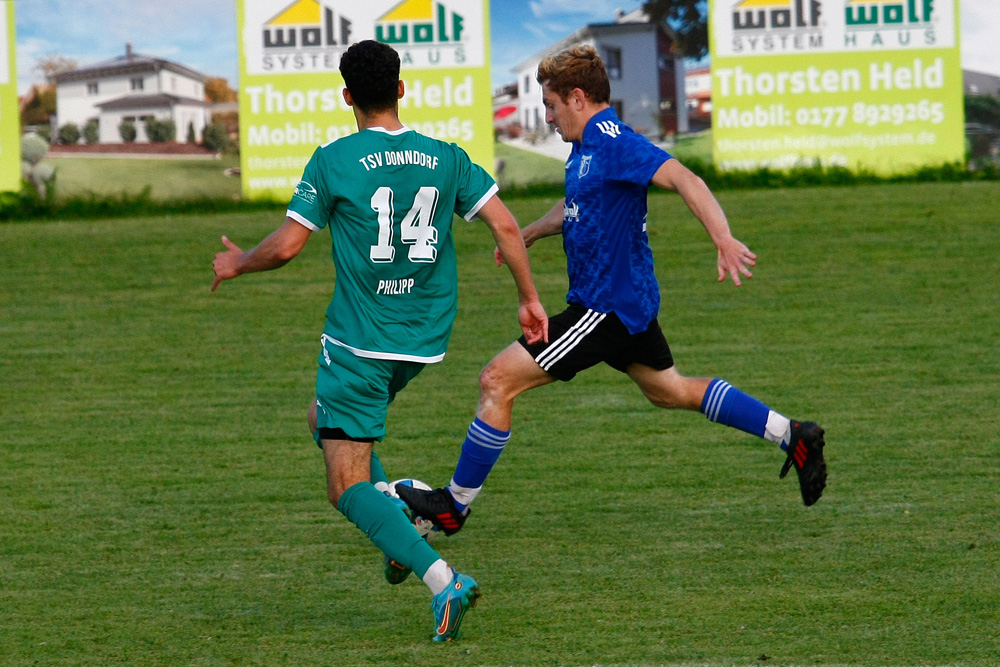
x: 167, y: 179
x: 523, y: 168
x: 162, y: 504
x: 96, y: 188
x: 694, y: 147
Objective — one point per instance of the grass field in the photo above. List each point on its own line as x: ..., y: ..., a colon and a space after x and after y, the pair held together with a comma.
x: 523, y: 168
x: 162, y: 504
x: 167, y: 179
x: 697, y: 146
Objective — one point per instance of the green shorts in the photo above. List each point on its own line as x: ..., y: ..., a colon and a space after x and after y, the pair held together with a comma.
x: 353, y: 393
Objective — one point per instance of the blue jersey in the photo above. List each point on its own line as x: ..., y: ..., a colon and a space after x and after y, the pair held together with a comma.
x: 609, y: 262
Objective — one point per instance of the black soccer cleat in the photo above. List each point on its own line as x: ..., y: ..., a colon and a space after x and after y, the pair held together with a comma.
x: 805, y: 452
x: 436, y: 505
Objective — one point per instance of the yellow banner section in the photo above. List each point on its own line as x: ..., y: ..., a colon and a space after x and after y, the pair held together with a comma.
x: 283, y: 120
x: 286, y: 111
x: 872, y: 86
x: 885, y: 112
x: 10, y: 125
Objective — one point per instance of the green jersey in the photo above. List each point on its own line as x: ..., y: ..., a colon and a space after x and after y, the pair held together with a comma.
x: 389, y: 199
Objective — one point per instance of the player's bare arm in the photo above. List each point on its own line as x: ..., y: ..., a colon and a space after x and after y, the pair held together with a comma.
x: 280, y: 247
x: 510, y: 246
x: 734, y: 257
x: 549, y: 224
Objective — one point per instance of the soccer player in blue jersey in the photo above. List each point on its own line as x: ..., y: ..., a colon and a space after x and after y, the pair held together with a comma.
x: 388, y: 196
x: 613, y: 294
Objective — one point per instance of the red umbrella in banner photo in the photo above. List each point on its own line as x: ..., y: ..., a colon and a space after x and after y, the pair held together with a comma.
x: 504, y: 112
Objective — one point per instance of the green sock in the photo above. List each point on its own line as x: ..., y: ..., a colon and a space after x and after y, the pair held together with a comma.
x: 378, y: 472
x: 380, y: 519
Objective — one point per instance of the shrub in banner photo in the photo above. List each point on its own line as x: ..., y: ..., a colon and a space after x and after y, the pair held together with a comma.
x: 159, y: 131
x: 69, y: 134
x: 91, y: 131
x: 40, y: 175
x: 127, y: 131
x: 215, y: 138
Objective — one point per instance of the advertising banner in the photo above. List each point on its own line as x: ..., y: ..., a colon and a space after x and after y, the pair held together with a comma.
x: 862, y: 84
x: 10, y: 124
x: 291, y: 92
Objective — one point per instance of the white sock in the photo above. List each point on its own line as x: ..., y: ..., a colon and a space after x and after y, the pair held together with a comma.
x: 463, y: 495
x: 778, y: 429
x: 438, y: 576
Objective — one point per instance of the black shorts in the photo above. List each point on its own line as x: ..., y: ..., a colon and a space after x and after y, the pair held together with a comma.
x: 580, y: 338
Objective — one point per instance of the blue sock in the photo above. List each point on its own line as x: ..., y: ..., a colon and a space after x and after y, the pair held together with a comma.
x: 725, y: 404
x: 480, y: 451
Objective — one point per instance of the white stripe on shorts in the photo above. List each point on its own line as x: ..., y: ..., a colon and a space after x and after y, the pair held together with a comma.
x: 576, y: 333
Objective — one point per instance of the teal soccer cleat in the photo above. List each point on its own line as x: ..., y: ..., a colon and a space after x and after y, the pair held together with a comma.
x: 450, y: 605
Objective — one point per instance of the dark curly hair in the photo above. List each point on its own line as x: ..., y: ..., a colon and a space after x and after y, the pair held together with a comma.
x: 371, y: 72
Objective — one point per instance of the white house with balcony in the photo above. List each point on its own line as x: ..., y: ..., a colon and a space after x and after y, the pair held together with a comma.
x: 647, y: 77
x: 132, y: 87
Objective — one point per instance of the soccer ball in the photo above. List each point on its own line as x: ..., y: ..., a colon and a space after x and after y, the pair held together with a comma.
x: 424, y: 527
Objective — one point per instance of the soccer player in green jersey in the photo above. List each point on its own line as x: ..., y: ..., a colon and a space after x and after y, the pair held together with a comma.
x: 388, y: 196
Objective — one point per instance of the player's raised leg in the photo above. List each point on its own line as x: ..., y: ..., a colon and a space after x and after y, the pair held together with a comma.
x: 723, y: 403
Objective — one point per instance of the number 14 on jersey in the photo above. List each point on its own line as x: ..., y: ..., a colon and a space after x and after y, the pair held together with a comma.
x: 416, y: 229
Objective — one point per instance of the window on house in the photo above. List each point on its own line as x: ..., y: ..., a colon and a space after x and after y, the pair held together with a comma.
x: 613, y: 62
x: 527, y: 82
x: 92, y: 88
x: 619, y: 108
x: 173, y: 84
x: 137, y: 83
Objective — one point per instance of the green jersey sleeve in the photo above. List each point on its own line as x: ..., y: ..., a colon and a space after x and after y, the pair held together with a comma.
x: 310, y: 204
x: 475, y: 185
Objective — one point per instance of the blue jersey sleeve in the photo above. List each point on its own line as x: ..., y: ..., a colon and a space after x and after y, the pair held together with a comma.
x: 310, y: 204
x: 635, y: 159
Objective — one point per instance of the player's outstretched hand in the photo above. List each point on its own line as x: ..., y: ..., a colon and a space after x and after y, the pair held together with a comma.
x: 735, y: 259
x: 534, y: 322
x: 225, y: 262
